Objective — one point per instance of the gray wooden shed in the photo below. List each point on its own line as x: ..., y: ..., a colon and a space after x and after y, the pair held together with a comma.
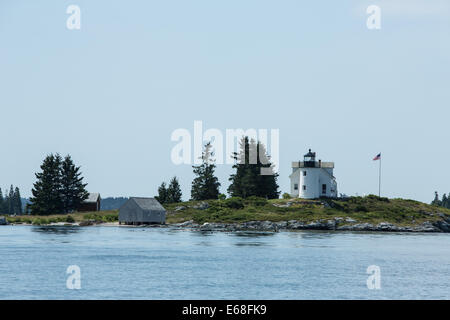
x: 142, y: 211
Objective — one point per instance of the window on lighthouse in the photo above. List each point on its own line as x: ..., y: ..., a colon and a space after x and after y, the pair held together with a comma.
x: 304, y: 173
x: 295, y: 186
x: 304, y: 187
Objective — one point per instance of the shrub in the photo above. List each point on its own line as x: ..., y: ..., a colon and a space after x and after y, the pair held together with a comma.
x: 286, y: 196
x: 222, y: 196
x: 361, y: 208
x: 234, y: 203
x: 39, y: 221
x: 256, y: 201
x: 70, y: 219
x: 374, y: 197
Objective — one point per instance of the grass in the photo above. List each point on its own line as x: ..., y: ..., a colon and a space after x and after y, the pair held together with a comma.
x: 370, y: 209
x: 98, y: 216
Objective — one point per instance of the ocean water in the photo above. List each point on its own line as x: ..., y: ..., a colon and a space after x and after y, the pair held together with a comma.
x: 163, y: 263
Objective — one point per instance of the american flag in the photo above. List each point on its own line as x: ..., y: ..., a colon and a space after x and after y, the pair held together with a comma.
x: 378, y: 157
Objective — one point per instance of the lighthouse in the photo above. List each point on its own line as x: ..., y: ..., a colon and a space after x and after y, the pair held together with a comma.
x: 312, y: 179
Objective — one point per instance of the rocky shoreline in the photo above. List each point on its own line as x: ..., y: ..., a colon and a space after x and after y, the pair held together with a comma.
x: 337, y: 224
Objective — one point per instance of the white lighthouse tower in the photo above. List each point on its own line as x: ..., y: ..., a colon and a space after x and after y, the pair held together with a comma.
x: 311, y: 179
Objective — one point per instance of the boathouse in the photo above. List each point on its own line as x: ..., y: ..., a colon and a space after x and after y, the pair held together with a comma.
x: 138, y: 211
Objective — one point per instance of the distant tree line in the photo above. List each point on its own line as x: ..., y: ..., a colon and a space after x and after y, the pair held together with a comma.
x: 11, y: 202
x: 59, y: 187
x: 247, y: 181
x: 112, y: 203
x: 443, y: 202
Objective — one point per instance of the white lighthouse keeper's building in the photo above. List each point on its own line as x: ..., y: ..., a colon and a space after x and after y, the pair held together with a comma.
x: 311, y: 179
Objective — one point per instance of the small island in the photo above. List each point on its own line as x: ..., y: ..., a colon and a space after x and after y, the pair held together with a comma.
x: 370, y: 213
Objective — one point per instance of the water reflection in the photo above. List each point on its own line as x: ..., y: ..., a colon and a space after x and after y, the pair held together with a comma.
x: 60, y: 230
x: 253, y: 234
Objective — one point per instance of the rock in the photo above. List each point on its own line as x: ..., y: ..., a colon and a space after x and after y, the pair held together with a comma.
x: 201, y: 206
x: 281, y: 224
x: 426, y: 213
x: 86, y: 223
x: 427, y: 226
x: 326, y: 205
x: 295, y: 225
x: 185, y: 224
x: 350, y: 220
x: 281, y: 205
x: 363, y: 227
x: 442, y: 225
x: 179, y: 208
x: 3, y: 221
x: 385, y: 226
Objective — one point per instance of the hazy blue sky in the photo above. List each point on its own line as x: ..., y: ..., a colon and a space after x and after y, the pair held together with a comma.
x: 111, y: 93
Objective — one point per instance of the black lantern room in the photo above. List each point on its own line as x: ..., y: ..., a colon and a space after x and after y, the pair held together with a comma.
x: 309, y: 159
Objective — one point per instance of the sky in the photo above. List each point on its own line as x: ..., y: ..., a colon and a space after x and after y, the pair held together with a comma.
x: 111, y: 93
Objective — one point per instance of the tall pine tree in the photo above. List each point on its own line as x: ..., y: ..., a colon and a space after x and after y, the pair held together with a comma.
x: 162, y: 193
x: 47, y: 189
x: 254, y: 172
x: 205, y: 185
x: 17, y: 202
x: 2, y: 202
x: 73, y: 190
x: 174, y: 191
x: 11, y: 200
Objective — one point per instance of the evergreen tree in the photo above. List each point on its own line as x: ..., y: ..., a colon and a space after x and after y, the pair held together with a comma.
x: 448, y: 201
x: 47, y: 189
x: 436, y: 201
x: 205, y: 185
x: 2, y: 202
x: 17, y: 203
x: 444, y: 201
x: 173, y: 191
x: 162, y: 193
x: 73, y: 190
x: 254, y: 172
x: 11, y: 200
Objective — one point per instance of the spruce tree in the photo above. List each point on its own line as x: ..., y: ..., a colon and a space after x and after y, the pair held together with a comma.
x: 436, y: 201
x: 73, y: 190
x: 47, y: 189
x: 205, y: 185
x: 162, y: 193
x: 11, y: 200
x: 251, y: 161
x: 174, y: 191
x: 444, y: 201
x: 448, y: 201
x: 17, y: 203
x: 2, y: 201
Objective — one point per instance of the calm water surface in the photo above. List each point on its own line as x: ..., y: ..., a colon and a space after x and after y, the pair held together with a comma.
x: 150, y: 263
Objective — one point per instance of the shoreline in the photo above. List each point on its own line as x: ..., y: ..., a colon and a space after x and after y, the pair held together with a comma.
x: 269, y: 226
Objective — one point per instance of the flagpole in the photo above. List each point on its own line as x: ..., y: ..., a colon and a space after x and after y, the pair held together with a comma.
x: 379, y: 180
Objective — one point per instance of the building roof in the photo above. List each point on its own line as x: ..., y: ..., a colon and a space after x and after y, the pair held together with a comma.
x: 148, y: 203
x: 93, y: 197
